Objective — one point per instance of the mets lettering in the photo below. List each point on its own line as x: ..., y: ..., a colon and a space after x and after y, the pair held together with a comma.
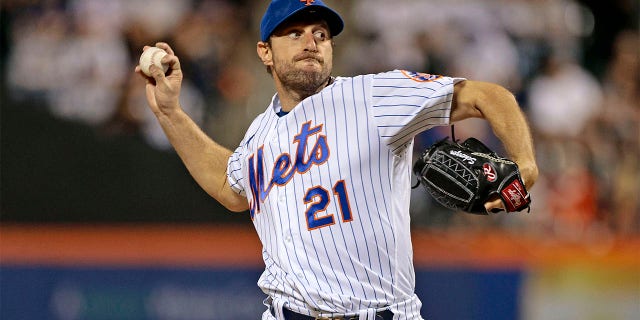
x: 284, y: 168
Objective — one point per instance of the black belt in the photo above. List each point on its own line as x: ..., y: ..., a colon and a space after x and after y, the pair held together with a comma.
x: 290, y: 315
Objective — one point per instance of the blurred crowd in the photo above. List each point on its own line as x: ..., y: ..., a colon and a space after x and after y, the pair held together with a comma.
x: 578, y: 83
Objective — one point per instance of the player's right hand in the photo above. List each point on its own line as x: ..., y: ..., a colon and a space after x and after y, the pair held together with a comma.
x: 163, y: 90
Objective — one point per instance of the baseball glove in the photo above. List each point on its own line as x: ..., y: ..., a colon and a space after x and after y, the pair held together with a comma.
x: 465, y: 176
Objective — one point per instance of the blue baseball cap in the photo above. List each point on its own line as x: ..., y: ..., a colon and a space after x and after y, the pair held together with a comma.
x: 281, y: 10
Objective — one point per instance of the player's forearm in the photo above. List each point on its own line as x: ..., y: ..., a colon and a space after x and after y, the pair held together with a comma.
x: 205, y: 159
x: 500, y: 108
x: 509, y: 124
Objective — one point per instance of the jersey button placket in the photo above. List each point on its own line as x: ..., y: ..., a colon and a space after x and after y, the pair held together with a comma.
x: 274, y: 134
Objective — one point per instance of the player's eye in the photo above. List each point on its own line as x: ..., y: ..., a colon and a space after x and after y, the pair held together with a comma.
x: 294, y: 35
x: 320, y: 35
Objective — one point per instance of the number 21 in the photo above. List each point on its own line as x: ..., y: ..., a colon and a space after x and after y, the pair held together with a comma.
x: 318, y: 197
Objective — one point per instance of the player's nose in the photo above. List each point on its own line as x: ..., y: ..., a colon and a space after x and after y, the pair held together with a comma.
x: 309, y: 42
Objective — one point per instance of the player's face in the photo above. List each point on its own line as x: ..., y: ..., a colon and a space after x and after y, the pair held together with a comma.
x: 302, y: 56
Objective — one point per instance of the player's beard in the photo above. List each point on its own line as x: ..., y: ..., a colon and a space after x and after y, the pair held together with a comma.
x: 304, y: 82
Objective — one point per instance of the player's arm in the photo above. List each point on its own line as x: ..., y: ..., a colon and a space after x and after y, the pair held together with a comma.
x: 499, y: 107
x: 205, y: 159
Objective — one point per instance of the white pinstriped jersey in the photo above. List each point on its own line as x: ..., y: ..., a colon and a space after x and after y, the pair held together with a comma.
x: 328, y: 185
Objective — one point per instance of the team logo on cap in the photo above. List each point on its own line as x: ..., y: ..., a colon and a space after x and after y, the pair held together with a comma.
x: 420, y: 77
x: 308, y: 2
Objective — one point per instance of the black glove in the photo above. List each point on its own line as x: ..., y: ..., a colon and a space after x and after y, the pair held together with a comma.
x: 465, y: 176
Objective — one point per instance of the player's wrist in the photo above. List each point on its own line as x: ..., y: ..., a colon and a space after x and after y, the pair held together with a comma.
x: 171, y: 112
x: 529, y: 173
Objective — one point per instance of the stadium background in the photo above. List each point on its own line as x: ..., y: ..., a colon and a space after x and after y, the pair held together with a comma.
x: 100, y: 220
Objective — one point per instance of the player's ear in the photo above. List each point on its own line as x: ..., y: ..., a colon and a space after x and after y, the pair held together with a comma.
x: 265, y: 53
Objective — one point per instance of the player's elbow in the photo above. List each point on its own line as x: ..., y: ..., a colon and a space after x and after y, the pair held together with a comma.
x: 472, y: 99
x: 237, y: 207
x: 234, y: 202
x: 493, y: 94
x: 226, y: 196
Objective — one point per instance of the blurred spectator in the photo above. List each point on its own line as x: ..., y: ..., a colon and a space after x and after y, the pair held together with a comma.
x: 563, y: 97
x: 613, y: 137
x: 91, y: 63
x: 35, y: 37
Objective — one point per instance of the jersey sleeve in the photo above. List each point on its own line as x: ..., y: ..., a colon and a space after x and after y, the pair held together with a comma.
x: 234, y: 170
x: 236, y: 165
x: 405, y: 103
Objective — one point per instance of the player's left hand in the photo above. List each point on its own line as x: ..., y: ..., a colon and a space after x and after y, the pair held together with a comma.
x: 472, y: 178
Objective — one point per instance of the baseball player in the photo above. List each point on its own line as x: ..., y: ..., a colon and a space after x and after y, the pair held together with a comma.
x: 325, y: 171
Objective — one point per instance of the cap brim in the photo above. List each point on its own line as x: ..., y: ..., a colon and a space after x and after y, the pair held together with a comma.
x: 333, y: 19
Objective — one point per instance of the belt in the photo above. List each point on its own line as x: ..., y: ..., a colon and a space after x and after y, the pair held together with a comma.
x: 291, y: 315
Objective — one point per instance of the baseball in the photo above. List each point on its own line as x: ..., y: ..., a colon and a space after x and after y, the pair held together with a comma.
x: 152, y: 55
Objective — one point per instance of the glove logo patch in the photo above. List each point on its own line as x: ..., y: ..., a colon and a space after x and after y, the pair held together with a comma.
x: 514, y: 195
x: 489, y: 172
